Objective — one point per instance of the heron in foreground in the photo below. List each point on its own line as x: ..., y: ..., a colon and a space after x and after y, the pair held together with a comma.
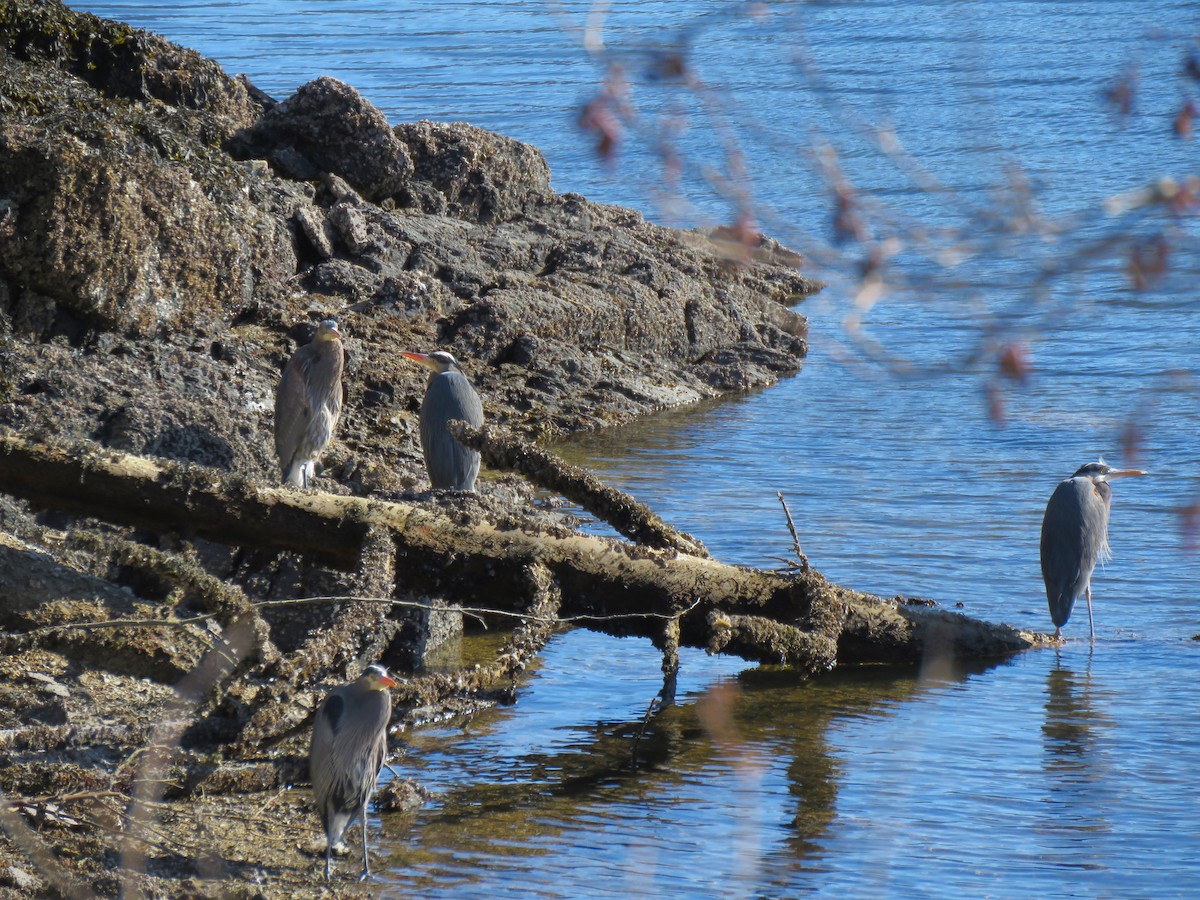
x: 448, y: 395
x: 349, y: 744
x: 1075, y: 538
x: 308, y: 404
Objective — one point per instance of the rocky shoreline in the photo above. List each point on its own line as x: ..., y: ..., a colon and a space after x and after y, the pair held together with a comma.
x: 168, y: 235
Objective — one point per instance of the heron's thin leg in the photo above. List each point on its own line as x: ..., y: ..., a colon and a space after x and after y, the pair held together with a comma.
x: 366, y: 864
x: 328, y: 857
x: 1087, y: 593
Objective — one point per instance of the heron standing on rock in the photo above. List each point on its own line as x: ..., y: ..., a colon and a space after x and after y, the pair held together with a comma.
x: 448, y: 395
x: 308, y: 403
x: 349, y: 744
x: 1075, y: 538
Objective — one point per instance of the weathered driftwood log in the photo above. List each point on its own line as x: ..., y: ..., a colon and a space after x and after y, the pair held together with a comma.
x: 273, y: 716
x: 187, y: 500
x: 57, y: 606
x: 501, y: 449
x: 606, y: 585
x: 205, y: 593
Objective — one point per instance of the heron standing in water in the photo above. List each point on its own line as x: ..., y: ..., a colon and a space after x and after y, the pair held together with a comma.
x: 448, y: 395
x: 1075, y: 538
x: 349, y: 744
x: 308, y: 403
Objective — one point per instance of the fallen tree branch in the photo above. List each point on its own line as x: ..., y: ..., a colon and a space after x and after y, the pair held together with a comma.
x: 501, y: 449
x: 226, y: 602
x: 765, y: 640
x: 187, y: 500
x: 50, y: 602
x: 477, y: 563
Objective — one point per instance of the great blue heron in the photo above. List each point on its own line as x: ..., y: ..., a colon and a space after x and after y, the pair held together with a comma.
x: 308, y: 404
x: 1075, y: 538
x: 349, y: 743
x: 448, y: 395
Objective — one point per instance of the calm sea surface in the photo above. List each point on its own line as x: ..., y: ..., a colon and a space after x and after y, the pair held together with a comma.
x: 1068, y: 773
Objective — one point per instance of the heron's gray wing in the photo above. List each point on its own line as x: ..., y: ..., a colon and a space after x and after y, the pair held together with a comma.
x: 449, y: 464
x: 359, y: 745
x: 1074, y: 533
x: 327, y: 372
x: 292, y: 410
x: 1093, y: 530
x: 308, y: 402
x: 324, y: 382
x: 321, y: 762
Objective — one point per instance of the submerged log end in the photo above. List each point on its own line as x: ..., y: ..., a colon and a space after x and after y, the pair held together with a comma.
x: 889, y: 631
x: 943, y: 631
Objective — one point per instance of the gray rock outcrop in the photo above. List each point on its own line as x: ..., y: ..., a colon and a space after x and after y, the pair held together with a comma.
x: 168, y: 233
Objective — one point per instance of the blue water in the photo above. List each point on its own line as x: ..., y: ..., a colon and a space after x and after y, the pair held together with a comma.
x: 1067, y: 773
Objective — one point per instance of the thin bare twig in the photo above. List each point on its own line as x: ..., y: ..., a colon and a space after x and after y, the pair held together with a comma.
x: 483, y: 611
x: 387, y: 601
x: 123, y: 623
x: 201, y: 637
x: 801, y: 561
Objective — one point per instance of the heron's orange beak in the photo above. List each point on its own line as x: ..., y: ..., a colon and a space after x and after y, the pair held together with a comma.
x: 421, y: 359
x: 379, y: 682
x: 1122, y: 473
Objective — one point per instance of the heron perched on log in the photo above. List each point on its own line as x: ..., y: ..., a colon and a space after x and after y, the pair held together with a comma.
x: 308, y: 403
x: 349, y: 744
x: 448, y: 396
x: 1075, y: 538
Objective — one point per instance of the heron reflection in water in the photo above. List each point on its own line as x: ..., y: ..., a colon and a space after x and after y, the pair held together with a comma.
x: 1075, y: 538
